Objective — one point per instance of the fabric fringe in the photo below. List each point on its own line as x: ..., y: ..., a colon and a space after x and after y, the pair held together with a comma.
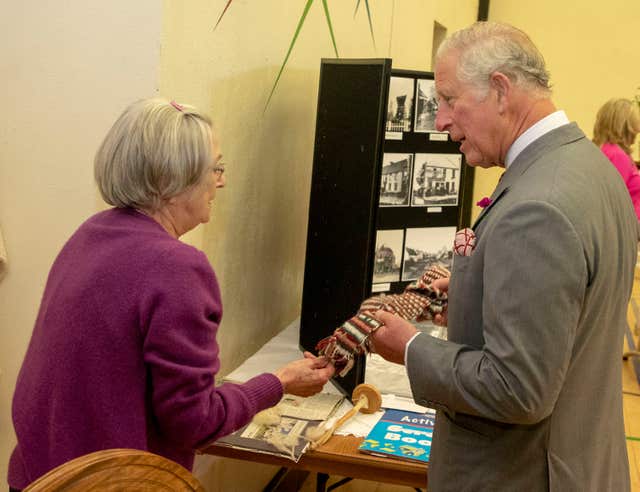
x: 420, y: 301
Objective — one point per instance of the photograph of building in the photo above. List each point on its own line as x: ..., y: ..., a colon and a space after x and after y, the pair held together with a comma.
x: 395, y: 183
x: 426, y: 106
x: 436, y: 180
x: 425, y: 247
x: 388, y: 256
x: 400, y: 106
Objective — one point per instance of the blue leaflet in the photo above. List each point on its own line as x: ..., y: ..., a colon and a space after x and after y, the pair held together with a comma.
x: 401, y: 434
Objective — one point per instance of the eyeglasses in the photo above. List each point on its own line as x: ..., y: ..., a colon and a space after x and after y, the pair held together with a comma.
x: 219, y: 170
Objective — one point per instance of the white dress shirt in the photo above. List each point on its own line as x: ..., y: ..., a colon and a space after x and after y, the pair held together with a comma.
x: 534, y: 132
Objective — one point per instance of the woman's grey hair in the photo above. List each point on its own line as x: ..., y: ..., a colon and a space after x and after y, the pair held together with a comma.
x: 488, y: 47
x: 155, y: 150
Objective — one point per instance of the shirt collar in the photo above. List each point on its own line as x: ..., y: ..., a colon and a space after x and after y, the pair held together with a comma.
x: 534, y: 132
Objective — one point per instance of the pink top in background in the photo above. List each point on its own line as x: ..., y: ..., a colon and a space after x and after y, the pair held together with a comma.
x: 627, y: 169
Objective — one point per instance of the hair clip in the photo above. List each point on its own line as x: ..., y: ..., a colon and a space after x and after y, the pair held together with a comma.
x: 177, y: 106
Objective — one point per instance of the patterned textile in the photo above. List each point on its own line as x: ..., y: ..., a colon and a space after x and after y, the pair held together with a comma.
x: 465, y: 242
x: 419, y: 301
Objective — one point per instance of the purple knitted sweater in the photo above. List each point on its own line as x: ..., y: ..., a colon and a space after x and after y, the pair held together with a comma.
x: 123, y: 353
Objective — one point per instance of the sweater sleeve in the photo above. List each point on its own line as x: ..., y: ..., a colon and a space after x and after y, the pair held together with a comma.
x: 180, y: 314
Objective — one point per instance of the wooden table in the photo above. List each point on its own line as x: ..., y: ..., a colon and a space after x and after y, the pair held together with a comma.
x: 339, y: 456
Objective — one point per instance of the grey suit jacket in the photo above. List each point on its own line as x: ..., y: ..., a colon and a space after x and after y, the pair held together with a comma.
x: 528, y: 387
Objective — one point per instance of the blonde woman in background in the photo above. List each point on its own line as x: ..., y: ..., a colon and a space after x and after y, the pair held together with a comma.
x: 617, y: 124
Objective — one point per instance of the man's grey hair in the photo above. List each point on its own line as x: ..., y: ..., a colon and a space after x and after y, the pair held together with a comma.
x: 488, y: 47
x: 155, y: 150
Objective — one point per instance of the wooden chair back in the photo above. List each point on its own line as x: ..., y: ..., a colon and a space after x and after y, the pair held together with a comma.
x: 113, y: 470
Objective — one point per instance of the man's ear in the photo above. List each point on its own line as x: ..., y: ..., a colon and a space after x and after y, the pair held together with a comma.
x: 503, y: 87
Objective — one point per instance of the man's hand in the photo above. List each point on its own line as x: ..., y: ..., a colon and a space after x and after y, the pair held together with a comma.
x: 391, y: 339
x: 305, y: 377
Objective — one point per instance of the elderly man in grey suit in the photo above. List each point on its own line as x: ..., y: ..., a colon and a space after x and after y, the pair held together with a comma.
x: 528, y: 386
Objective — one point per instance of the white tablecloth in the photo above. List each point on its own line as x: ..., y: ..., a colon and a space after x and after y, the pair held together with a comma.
x: 391, y: 379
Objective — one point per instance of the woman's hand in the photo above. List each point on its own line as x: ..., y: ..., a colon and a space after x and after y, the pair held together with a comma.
x: 305, y: 377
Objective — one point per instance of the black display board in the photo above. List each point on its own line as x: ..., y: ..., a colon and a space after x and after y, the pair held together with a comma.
x: 387, y: 191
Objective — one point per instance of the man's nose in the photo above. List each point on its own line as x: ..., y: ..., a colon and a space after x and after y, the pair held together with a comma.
x: 443, y: 120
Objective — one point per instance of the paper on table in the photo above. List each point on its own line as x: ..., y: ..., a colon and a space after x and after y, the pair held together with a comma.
x: 316, y: 407
x: 401, y: 403
x: 361, y: 424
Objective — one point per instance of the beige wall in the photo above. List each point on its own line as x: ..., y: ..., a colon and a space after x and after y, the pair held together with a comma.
x: 256, y: 239
x: 67, y: 70
x: 592, y: 51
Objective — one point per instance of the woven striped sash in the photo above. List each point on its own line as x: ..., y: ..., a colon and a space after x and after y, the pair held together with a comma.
x: 419, y: 301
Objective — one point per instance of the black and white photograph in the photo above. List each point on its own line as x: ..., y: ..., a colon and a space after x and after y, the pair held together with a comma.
x: 425, y: 247
x: 388, y: 256
x: 395, y: 183
x: 436, y: 180
x: 400, y: 105
x: 426, y: 106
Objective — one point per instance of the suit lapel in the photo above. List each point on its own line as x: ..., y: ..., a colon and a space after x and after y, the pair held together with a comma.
x: 498, y: 193
x: 555, y: 138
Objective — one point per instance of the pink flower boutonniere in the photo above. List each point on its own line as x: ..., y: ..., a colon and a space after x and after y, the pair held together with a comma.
x: 485, y: 202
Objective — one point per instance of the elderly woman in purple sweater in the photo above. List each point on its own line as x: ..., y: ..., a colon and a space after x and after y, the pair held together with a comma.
x: 124, y: 353
x: 615, y: 130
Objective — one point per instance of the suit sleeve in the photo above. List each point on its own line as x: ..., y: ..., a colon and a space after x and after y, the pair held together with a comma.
x: 535, y: 277
x: 181, y: 315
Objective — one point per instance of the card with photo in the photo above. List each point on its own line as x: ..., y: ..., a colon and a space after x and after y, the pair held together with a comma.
x: 426, y: 106
x: 400, y: 104
x: 388, y: 256
x: 425, y: 247
x: 436, y: 180
x: 395, y: 184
